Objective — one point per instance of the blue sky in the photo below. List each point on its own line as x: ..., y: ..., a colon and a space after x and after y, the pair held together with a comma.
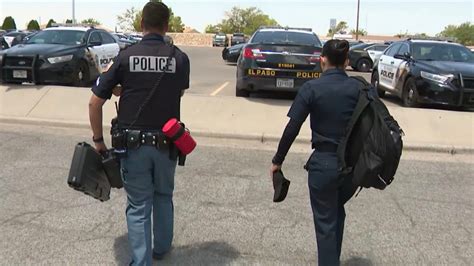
x: 380, y: 17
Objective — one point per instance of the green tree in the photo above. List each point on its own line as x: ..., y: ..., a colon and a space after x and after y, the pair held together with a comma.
x: 9, y: 24
x: 463, y: 33
x: 131, y: 19
x: 212, y: 29
x: 50, y: 23
x: 362, y: 32
x: 33, y: 25
x: 341, y: 27
x: 91, y: 21
x: 68, y: 21
x: 246, y: 20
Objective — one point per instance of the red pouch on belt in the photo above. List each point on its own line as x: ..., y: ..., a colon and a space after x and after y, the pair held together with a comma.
x: 177, y: 132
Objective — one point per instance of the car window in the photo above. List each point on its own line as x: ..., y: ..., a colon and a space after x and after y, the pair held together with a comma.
x: 107, y: 38
x: 380, y: 48
x: 392, y: 51
x: 95, y: 37
x: 286, y: 37
x: 441, y: 52
x: 64, y: 37
x: 404, y: 49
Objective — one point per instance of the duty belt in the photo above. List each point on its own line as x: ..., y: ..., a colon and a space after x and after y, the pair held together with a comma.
x: 137, y: 138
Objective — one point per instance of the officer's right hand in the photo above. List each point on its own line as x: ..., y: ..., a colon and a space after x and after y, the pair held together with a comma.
x: 274, y: 168
x: 100, y: 147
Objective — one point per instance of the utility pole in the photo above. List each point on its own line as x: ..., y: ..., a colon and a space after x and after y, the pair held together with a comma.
x: 73, y: 12
x: 357, y: 25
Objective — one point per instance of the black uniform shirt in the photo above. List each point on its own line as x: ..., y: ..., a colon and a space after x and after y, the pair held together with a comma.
x: 330, y: 100
x: 137, y: 69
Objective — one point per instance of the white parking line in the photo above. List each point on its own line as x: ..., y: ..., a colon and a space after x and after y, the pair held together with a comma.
x: 220, y: 89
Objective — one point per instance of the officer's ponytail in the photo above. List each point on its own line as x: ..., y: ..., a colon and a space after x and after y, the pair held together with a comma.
x: 336, y: 51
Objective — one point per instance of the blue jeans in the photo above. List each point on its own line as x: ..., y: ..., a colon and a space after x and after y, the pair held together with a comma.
x: 328, y: 193
x: 148, y: 178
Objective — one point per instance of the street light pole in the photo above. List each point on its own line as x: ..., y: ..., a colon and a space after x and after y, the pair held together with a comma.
x: 73, y: 11
x: 357, y: 25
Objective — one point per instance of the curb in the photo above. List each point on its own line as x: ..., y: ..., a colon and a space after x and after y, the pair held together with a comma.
x: 435, y: 148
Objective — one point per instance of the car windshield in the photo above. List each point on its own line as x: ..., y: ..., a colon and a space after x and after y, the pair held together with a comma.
x: 286, y: 37
x: 441, y: 52
x: 65, y: 37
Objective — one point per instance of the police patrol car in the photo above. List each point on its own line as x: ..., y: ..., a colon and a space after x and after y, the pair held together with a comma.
x: 278, y: 59
x: 426, y: 71
x: 363, y: 56
x: 59, y: 55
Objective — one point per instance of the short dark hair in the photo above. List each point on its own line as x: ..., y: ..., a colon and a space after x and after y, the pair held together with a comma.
x: 336, y: 51
x: 155, y: 15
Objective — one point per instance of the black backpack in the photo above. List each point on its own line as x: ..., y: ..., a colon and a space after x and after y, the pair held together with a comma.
x: 372, y: 144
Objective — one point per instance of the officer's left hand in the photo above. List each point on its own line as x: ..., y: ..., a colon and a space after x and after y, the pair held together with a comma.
x: 274, y: 168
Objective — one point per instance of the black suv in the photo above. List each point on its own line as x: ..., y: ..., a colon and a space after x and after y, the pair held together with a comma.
x: 426, y: 71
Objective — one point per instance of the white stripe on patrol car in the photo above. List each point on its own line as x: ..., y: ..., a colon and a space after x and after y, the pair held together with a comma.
x: 152, y: 64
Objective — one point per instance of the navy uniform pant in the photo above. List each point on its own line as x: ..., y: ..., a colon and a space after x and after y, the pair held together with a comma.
x: 328, y: 194
x: 148, y: 178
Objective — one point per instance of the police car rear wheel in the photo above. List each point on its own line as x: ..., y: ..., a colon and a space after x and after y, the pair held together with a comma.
x: 364, y: 65
x: 81, y: 75
x: 410, y: 94
x: 375, y: 83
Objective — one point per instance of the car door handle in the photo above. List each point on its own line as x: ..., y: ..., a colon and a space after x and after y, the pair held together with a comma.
x: 393, y: 62
x: 381, y: 60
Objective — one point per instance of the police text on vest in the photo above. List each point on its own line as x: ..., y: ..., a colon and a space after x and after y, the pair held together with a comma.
x: 152, y: 64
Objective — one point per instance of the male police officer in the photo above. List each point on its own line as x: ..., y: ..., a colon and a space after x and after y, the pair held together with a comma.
x: 148, y: 169
x: 330, y: 101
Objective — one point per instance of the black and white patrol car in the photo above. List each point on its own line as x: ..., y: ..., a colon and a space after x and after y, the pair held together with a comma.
x: 363, y: 56
x: 278, y: 59
x: 59, y: 55
x: 426, y: 71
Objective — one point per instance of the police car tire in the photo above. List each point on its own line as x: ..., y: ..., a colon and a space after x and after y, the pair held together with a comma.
x: 364, y: 65
x: 242, y: 93
x: 410, y: 89
x: 375, y: 83
x: 81, y: 66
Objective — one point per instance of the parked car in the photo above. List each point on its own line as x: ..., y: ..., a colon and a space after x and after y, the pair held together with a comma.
x: 122, y: 40
x: 59, y: 55
x: 237, y: 38
x: 363, y: 56
x: 220, y: 39
x: 426, y: 71
x: 278, y: 59
x: 231, y: 54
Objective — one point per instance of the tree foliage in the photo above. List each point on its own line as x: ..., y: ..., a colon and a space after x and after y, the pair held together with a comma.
x: 33, y: 25
x: 68, y: 21
x: 463, y: 33
x: 362, y: 32
x: 91, y: 21
x: 131, y: 19
x: 50, y: 23
x: 9, y: 24
x: 341, y: 27
x: 245, y: 20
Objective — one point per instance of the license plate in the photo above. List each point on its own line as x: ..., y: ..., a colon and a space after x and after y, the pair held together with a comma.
x: 20, y: 74
x: 285, y: 83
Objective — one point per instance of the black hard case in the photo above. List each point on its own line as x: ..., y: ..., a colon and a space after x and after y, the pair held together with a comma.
x: 87, y: 173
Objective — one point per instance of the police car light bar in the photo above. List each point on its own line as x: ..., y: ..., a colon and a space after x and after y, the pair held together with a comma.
x: 72, y: 25
x: 284, y: 28
x: 440, y: 39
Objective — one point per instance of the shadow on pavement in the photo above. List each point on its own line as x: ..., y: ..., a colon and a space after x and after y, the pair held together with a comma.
x: 357, y: 261
x: 206, y: 253
x: 21, y: 86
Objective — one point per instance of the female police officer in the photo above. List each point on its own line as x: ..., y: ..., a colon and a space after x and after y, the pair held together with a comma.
x: 330, y: 102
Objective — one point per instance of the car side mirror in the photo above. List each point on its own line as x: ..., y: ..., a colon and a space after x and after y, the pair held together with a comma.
x: 405, y: 56
x: 95, y: 43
